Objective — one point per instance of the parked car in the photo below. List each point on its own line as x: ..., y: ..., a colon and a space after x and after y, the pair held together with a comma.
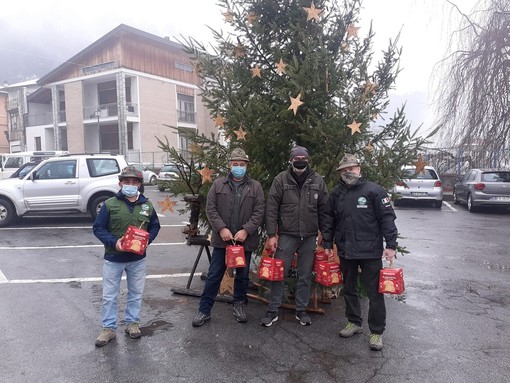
x: 422, y: 186
x: 25, y: 169
x: 149, y: 177
x: 168, y: 173
x: 73, y: 183
x: 483, y: 187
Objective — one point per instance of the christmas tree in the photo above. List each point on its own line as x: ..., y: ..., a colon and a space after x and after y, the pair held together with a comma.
x: 296, y: 72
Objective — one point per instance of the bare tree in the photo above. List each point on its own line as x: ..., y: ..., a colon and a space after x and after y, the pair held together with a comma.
x: 473, y: 104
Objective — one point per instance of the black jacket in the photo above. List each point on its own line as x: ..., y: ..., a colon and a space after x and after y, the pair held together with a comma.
x: 294, y: 211
x: 359, y: 217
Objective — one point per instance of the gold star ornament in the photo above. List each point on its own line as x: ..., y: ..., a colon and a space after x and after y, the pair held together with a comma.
x: 312, y: 13
x: 206, y: 174
x: 228, y: 16
x: 239, y: 51
x: 280, y: 67
x: 354, y: 127
x: 219, y: 121
x: 255, y: 72
x: 167, y: 204
x: 251, y: 18
x: 295, y: 103
x: 352, y: 31
x: 420, y: 165
x: 240, y: 133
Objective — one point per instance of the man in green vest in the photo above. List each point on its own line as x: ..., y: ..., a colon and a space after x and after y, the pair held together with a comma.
x: 128, y: 208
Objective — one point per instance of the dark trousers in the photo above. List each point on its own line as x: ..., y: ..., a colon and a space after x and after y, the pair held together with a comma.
x: 215, y: 275
x: 370, y: 279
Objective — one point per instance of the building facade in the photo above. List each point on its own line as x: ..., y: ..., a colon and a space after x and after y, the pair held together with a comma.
x: 117, y: 95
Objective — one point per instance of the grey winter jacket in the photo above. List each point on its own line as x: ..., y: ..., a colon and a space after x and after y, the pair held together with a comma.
x: 220, y: 201
x: 299, y: 213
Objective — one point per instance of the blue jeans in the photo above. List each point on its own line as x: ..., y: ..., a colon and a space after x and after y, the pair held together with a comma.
x: 112, y: 274
x: 215, y: 275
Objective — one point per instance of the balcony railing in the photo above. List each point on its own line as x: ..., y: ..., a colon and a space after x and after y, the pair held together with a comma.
x: 12, y: 104
x: 39, y: 119
x: 185, y: 116
x: 108, y: 110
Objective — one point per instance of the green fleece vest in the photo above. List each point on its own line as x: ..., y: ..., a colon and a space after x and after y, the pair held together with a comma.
x: 121, y: 217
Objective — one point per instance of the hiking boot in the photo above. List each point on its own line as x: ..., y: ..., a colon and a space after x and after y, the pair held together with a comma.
x: 269, y: 319
x: 349, y: 330
x: 200, y: 319
x: 106, y: 335
x: 376, y: 342
x: 133, y: 329
x: 240, y: 312
x: 303, y: 318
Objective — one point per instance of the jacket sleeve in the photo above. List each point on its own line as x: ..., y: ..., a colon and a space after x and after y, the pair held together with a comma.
x: 273, y: 206
x: 328, y: 231
x: 100, y: 228
x: 322, y: 205
x: 386, y: 217
x: 257, y: 215
x: 154, y: 226
x: 211, y: 208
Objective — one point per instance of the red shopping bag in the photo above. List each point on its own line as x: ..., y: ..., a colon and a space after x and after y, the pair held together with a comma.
x: 328, y: 273
x: 270, y: 268
x: 135, y: 240
x: 391, y: 281
x: 234, y: 256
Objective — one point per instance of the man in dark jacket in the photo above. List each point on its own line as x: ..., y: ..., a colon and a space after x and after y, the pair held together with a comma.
x: 296, y: 211
x: 360, y: 216
x: 128, y: 207
x: 235, y: 209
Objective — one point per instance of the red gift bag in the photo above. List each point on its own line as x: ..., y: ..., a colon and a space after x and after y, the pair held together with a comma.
x: 328, y: 273
x: 391, y: 281
x: 319, y: 256
x: 234, y: 256
x: 135, y: 240
x: 271, y: 269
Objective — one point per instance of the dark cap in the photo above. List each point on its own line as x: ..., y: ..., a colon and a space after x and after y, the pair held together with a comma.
x: 347, y: 161
x: 131, y: 172
x: 298, y: 151
x: 239, y: 154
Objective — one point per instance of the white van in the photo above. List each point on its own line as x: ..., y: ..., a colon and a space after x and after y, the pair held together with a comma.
x: 12, y: 161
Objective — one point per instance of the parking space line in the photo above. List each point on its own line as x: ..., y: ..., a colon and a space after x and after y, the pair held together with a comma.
x: 4, y: 280
x: 449, y: 206
x: 80, y: 246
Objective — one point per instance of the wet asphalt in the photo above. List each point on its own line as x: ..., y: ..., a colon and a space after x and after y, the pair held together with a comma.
x: 450, y: 325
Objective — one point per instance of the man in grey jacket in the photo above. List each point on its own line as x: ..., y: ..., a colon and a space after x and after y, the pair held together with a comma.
x: 296, y: 211
x: 235, y: 209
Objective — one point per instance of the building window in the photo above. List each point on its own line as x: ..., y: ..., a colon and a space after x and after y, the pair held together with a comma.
x: 63, y: 139
x: 185, y: 67
x: 109, y: 138
x: 107, y: 92
x: 184, y: 143
x: 37, y: 143
x: 186, y: 108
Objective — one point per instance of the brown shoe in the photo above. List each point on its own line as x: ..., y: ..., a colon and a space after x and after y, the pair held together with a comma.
x: 133, y: 329
x: 106, y: 335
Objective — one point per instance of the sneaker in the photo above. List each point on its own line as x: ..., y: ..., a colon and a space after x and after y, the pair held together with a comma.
x: 106, y: 335
x: 376, y: 342
x: 269, y: 319
x: 303, y: 318
x: 240, y: 312
x: 133, y: 329
x: 200, y: 319
x: 349, y: 330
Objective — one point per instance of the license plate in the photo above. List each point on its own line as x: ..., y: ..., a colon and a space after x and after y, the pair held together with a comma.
x: 419, y: 194
x: 502, y: 198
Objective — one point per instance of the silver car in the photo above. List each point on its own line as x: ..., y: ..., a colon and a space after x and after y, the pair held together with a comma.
x: 149, y: 177
x: 422, y: 186
x: 483, y: 187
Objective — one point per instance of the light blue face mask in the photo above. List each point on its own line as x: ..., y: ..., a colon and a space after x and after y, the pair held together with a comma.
x: 238, y: 171
x: 129, y: 190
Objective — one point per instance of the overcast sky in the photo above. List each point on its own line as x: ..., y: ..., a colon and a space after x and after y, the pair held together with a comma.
x: 38, y: 35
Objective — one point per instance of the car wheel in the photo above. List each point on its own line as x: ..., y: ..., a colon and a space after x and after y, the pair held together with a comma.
x: 438, y: 204
x: 455, y: 198
x: 161, y: 188
x: 396, y: 202
x: 470, y: 206
x: 96, y: 205
x: 153, y: 180
x: 7, y: 213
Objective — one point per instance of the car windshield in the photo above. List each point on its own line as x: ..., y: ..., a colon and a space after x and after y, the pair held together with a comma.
x: 170, y: 168
x: 496, y: 177
x: 426, y: 174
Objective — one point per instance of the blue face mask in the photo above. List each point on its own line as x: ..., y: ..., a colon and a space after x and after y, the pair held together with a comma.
x: 238, y: 171
x: 129, y: 190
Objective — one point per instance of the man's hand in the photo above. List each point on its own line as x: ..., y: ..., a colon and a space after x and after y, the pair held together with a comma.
x: 330, y: 254
x: 118, y: 245
x: 226, y: 235
x: 241, y: 236
x: 271, y: 243
x: 389, y: 254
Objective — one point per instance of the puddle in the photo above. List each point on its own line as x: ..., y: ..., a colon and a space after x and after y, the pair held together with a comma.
x: 155, y: 327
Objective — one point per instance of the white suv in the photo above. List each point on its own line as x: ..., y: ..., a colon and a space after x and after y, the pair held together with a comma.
x: 72, y: 183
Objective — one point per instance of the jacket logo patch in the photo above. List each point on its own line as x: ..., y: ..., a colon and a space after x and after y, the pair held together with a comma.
x: 145, y: 206
x: 385, y: 201
x: 362, y: 201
